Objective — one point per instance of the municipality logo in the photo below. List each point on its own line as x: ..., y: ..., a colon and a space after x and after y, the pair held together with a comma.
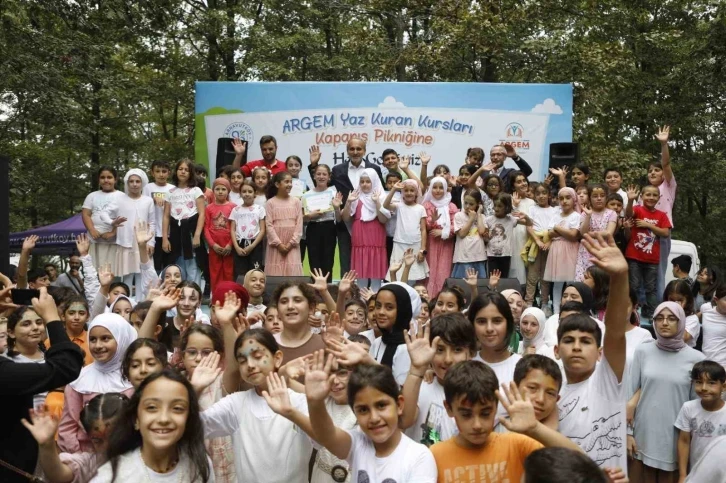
x: 514, y: 135
x: 514, y: 130
x: 240, y: 130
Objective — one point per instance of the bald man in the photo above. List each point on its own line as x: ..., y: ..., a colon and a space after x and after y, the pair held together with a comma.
x: 345, y: 178
x: 498, y: 156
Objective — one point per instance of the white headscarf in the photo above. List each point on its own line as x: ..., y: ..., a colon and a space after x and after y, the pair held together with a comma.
x: 121, y: 297
x: 103, y: 377
x: 538, y: 339
x: 138, y: 172
x: 442, y: 205
x: 369, y: 210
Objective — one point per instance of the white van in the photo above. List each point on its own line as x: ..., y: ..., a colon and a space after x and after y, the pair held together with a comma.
x: 678, y: 248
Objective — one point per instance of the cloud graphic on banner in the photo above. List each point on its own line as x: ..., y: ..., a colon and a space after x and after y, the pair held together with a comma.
x: 390, y: 102
x: 549, y: 106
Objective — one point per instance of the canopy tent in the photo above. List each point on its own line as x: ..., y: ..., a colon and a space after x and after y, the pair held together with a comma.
x: 56, y: 239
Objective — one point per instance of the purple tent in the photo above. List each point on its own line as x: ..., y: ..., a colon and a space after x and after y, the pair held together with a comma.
x: 58, y: 238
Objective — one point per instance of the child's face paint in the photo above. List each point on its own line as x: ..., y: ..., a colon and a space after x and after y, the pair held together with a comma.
x: 256, y: 362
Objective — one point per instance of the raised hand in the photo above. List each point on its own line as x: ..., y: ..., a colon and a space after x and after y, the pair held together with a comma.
x: 42, y: 426
x: 409, y: 257
x: 511, y: 153
x: 317, y: 376
x: 663, y: 134
x: 143, y: 234
x: 314, y: 154
x: 277, y: 396
x: 6, y: 300
x: 404, y: 162
x: 366, y: 293
x: 587, y: 211
x: 633, y: 192
x: 227, y: 313
x: 375, y: 196
x: 338, y: 200
x: 320, y: 280
x: 516, y: 199
x: 239, y: 147
x: 521, y: 411
x: 494, y: 277
x: 105, y: 275
x: 186, y: 324
x: 154, y: 290
x: 395, y: 266
x: 167, y: 300
x: 295, y: 368
x: 548, y: 180
x: 45, y: 306
x: 489, y: 166
x: 119, y: 221
x: 353, y: 196
x: 421, y: 350
x: 471, y: 277
x: 333, y: 329
x: 424, y: 157
x: 83, y: 244
x: 206, y: 372
x: 29, y: 243
x: 349, y: 353
x: 605, y: 254
x: 347, y: 281
x: 398, y: 186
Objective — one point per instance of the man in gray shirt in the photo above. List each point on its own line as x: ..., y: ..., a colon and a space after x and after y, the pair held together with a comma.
x: 73, y: 278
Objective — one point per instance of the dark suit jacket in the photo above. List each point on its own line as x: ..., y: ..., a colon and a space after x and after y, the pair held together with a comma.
x: 522, y: 165
x: 340, y: 180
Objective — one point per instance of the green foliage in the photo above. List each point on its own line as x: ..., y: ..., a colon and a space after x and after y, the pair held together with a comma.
x: 88, y: 83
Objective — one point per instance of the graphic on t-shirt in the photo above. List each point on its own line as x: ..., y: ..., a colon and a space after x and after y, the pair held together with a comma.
x: 646, y: 238
x: 158, y: 197
x: 364, y: 478
x: 706, y: 429
x: 497, y: 240
x: 567, y: 408
x: 219, y: 222
x: 431, y: 427
x: 602, y: 442
x: 721, y: 430
x: 493, y: 473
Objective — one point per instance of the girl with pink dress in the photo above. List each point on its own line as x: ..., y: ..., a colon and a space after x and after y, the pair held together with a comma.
x: 283, y: 221
x: 597, y: 218
x: 440, y: 213
x: 564, y: 231
x: 368, y: 236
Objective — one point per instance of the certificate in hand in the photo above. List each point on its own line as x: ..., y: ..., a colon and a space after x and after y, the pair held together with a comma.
x: 318, y: 201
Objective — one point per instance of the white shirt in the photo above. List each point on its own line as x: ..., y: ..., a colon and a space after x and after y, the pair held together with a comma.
x: 714, y: 336
x: 592, y: 414
x: 408, y: 223
x: 183, y: 202
x: 633, y: 338
x: 410, y: 462
x: 505, y: 374
x: 267, y: 446
x: 703, y: 425
x: 104, y: 209
x: 158, y: 194
x: 247, y: 221
x: 401, y: 359
x: 432, y: 415
x: 132, y: 468
x: 354, y: 173
x: 541, y: 217
x: 135, y: 210
x: 693, y: 327
x: 553, y: 323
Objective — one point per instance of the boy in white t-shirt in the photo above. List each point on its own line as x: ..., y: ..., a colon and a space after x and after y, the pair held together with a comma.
x: 702, y: 420
x: 592, y: 403
x: 158, y: 191
x: 449, y: 338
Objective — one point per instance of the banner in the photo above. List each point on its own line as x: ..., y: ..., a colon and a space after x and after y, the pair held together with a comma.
x: 441, y: 119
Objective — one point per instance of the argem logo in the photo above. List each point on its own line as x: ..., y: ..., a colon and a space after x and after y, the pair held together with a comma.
x: 240, y: 130
x: 514, y: 130
x: 514, y: 135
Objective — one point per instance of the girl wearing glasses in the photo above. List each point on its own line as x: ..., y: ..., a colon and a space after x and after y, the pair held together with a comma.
x: 662, y: 372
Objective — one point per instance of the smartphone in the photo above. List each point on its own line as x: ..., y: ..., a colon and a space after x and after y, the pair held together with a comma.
x: 24, y: 296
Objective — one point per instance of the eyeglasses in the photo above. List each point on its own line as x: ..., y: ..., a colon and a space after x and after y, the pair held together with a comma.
x: 193, y: 353
x: 671, y: 319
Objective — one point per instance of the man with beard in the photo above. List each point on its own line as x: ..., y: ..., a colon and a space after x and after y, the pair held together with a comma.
x: 268, y: 146
x: 73, y: 278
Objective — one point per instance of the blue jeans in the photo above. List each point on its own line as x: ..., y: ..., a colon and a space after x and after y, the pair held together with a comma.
x: 645, y: 275
x: 459, y: 270
x: 665, y: 250
x: 190, y: 270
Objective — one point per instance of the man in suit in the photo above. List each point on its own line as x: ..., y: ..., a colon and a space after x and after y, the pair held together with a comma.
x: 345, y: 178
x: 498, y: 156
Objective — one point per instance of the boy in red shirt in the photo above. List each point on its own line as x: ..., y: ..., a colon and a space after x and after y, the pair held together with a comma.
x: 643, y: 251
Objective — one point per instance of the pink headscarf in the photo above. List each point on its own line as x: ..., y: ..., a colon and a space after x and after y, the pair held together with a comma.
x: 414, y: 183
x: 675, y: 343
x: 572, y: 193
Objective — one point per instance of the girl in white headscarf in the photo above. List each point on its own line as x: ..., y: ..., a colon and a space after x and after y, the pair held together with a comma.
x: 440, y: 213
x: 135, y: 207
x: 532, y: 325
x: 368, y: 234
x: 109, y: 335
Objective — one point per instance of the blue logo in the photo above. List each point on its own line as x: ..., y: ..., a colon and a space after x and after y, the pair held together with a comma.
x: 240, y: 130
x: 514, y: 130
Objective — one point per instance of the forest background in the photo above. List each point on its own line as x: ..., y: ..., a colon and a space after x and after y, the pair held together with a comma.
x: 85, y: 83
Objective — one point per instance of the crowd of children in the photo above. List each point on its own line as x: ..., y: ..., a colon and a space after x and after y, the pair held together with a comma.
x: 392, y: 374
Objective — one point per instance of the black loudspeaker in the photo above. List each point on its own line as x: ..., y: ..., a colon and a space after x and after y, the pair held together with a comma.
x: 564, y: 154
x: 271, y: 283
x: 225, y: 154
x: 483, y: 285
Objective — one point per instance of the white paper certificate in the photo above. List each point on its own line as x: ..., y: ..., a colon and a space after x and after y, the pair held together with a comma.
x: 318, y: 201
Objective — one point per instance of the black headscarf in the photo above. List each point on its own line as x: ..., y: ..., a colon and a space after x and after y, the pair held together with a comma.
x: 404, y: 313
x: 588, y: 300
